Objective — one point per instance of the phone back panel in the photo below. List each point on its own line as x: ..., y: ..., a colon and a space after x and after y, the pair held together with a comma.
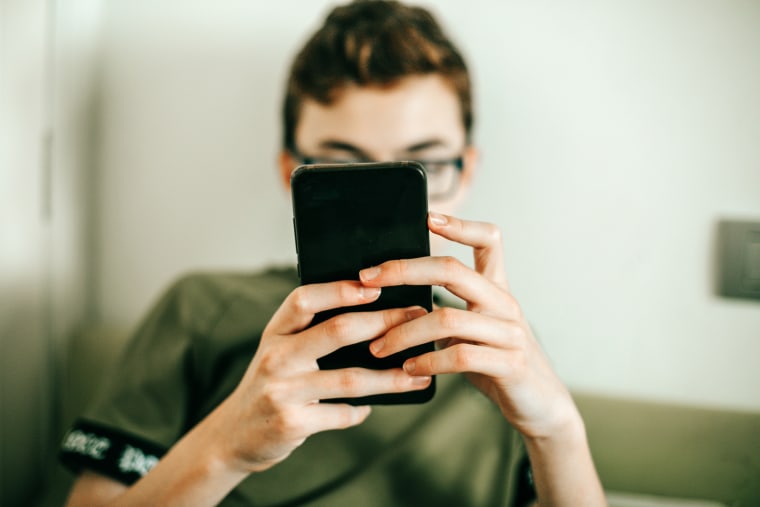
x: 350, y: 217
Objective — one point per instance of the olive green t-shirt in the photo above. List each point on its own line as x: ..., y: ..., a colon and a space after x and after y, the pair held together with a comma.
x: 191, y: 352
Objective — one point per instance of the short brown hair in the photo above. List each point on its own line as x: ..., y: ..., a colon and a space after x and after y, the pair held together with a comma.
x: 372, y: 43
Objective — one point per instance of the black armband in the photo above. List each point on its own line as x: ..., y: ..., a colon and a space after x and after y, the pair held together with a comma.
x: 108, y: 451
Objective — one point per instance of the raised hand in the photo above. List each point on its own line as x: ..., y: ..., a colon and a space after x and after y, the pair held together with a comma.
x: 490, y: 341
x: 276, y: 405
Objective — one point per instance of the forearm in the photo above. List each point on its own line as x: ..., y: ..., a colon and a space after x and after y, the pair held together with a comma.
x: 194, y: 472
x: 563, y: 470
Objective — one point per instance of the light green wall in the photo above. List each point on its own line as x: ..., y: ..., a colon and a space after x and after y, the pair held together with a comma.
x: 614, y: 136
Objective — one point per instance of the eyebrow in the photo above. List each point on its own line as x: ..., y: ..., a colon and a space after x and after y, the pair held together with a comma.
x: 424, y: 145
x: 334, y: 144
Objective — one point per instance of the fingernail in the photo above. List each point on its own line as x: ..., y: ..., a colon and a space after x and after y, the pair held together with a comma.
x: 409, y: 366
x: 420, y: 381
x: 415, y: 312
x: 369, y: 292
x: 369, y: 273
x: 437, y: 218
x: 377, y: 345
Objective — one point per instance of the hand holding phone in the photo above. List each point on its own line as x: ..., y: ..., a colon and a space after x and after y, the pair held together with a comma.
x: 348, y: 217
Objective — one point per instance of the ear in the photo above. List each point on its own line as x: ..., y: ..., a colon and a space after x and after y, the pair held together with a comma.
x: 470, y: 161
x: 287, y: 164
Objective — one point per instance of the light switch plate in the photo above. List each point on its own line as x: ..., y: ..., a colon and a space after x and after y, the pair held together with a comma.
x: 739, y: 259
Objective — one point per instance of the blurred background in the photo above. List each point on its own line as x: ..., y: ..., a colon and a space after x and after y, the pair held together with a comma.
x: 138, y: 141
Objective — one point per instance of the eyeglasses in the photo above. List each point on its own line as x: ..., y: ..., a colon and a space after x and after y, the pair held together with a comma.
x: 443, y: 175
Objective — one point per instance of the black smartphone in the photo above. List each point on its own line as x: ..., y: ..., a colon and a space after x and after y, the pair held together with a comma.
x: 348, y: 217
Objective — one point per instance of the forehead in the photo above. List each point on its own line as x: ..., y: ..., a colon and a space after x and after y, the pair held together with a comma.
x: 414, y: 110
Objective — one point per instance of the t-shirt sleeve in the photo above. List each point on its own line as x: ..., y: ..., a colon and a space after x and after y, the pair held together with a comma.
x: 142, y: 407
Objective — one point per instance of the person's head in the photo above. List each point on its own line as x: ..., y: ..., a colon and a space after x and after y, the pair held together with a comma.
x: 381, y: 81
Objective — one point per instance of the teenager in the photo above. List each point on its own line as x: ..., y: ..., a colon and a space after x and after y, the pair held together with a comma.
x: 217, y: 397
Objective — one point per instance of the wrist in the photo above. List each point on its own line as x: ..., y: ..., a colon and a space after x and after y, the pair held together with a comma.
x: 230, y: 447
x: 563, y: 469
x: 220, y: 455
x: 566, y: 432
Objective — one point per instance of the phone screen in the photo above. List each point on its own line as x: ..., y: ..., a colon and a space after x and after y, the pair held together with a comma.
x: 350, y: 217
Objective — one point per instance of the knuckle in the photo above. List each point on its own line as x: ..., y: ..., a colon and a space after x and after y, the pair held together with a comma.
x: 451, y: 263
x: 425, y: 364
x: 349, y: 381
x: 272, y: 396
x: 449, y: 318
x: 288, y: 424
x: 299, y: 299
x: 282, y: 419
x: 391, y: 317
x: 462, y: 357
x: 520, y: 335
x: 401, y: 267
x: 392, y: 321
x: 347, y: 292
x: 339, y: 326
x: 513, y: 307
x: 268, y: 400
x: 270, y: 361
x: 493, y: 233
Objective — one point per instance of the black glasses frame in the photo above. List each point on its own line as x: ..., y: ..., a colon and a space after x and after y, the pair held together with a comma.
x: 428, y: 164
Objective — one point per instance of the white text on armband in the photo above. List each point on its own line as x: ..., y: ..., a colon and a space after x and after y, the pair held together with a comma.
x: 86, y: 444
x: 134, y: 460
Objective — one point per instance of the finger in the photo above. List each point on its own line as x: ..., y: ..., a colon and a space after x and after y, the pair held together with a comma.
x: 447, y: 323
x: 333, y: 416
x: 357, y: 382
x: 483, y: 237
x: 447, y: 272
x: 461, y: 358
x: 299, y: 308
x: 349, y: 328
